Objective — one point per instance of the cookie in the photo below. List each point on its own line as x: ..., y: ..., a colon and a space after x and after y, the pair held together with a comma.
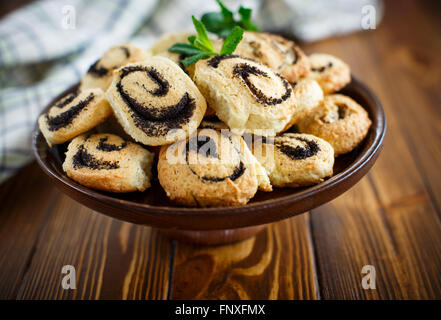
x: 74, y: 114
x: 245, y: 94
x: 107, y: 162
x: 208, y: 170
x: 155, y: 102
x: 339, y: 120
x: 308, y: 95
x: 331, y: 73
x: 100, y: 75
x: 293, y: 159
x: 276, y: 52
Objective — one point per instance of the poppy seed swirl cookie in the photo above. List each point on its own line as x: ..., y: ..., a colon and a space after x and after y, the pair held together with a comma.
x: 339, y: 120
x: 155, y: 102
x: 107, y: 162
x: 330, y: 72
x: 74, y: 114
x: 293, y: 159
x: 208, y: 170
x: 245, y: 94
x: 100, y: 74
x: 276, y: 52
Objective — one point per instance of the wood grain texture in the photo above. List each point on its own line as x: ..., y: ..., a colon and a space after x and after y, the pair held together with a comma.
x: 275, y: 264
x: 415, y: 59
x: 20, y: 224
x: 113, y: 259
x: 355, y: 230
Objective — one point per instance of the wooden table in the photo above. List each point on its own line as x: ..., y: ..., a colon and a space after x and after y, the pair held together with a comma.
x: 390, y: 219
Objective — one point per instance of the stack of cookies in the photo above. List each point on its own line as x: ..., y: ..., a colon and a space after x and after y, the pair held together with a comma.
x: 265, y: 116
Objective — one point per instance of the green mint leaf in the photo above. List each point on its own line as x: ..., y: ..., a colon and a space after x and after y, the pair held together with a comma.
x: 226, y: 13
x: 232, y: 40
x: 248, y: 25
x: 245, y: 19
x: 224, y: 33
x: 221, y: 23
x: 202, y: 35
x: 215, y: 22
x: 191, y: 39
x: 198, y: 44
x: 184, y: 48
x: 245, y: 13
x: 193, y: 59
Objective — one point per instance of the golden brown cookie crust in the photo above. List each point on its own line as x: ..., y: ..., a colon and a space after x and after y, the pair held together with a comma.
x: 339, y: 120
x: 330, y: 72
x: 294, y: 160
x: 73, y: 115
x: 280, y: 54
x: 109, y: 163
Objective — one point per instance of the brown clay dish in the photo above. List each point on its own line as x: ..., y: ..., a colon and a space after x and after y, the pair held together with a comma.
x: 153, y: 208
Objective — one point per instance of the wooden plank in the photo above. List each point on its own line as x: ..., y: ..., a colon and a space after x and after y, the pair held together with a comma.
x: 400, y: 242
x: 415, y: 60
x: 113, y: 259
x: 390, y: 222
x: 25, y: 201
x: 350, y: 233
x: 354, y: 231
x: 275, y: 264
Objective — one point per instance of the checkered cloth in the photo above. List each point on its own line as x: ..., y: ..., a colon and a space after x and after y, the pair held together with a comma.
x: 47, y: 46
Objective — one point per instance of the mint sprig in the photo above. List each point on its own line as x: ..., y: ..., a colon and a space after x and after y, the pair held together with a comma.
x: 200, y: 46
x: 223, y: 21
x: 201, y: 41
x: 232, y: 40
